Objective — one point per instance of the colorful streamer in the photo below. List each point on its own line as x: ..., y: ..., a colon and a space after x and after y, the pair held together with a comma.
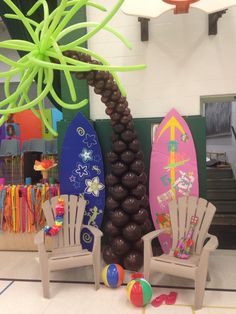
x: 21, y: 206
x: 2, y: 201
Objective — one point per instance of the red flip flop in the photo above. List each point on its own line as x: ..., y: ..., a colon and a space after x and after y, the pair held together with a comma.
x: 159, y: 300
x: 171, y: 298
x: 136, y: 275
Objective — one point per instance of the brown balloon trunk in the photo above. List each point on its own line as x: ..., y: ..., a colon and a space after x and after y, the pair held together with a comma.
x: 127, y: 202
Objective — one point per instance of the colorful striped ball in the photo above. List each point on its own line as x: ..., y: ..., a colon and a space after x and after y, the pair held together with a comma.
x: 113, y: 275
x: 139, y: 292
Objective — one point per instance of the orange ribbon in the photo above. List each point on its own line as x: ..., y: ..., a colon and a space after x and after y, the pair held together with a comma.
x: 18, y: 215
x: 7, y: 218
x: 31, y: 223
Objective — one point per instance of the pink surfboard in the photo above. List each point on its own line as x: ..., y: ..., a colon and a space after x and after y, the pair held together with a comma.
x: 173, y: 171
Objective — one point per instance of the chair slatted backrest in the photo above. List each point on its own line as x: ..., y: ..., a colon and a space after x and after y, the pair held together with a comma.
x: 74, y: 207
x: 181, y: 212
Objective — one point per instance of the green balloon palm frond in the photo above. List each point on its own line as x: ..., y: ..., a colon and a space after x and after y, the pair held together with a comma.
x: 44, y: 54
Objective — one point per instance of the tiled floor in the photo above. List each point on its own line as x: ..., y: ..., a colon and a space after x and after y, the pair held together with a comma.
x: 20, y: 290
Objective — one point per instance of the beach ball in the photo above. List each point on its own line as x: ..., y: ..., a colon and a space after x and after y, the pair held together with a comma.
x: 113, y: 275
x: 139, y: 292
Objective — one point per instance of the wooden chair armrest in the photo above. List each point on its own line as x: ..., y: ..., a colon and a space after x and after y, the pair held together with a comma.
x: 151, y: 235
x: 39, y: 238
x: 211, y: 244
x: 95, y: 231
x: 209, y: 247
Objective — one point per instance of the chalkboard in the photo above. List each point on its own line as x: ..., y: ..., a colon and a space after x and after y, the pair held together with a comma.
x: 218, y: 118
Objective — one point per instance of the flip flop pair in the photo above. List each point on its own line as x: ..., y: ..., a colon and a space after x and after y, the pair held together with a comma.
x: 168, y: 299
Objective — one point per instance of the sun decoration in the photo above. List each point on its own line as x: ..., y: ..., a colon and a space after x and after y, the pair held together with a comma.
x: 44, y: 54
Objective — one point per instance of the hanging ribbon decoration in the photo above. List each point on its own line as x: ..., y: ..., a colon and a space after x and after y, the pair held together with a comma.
x: 13, y: 191
x: 21, y: 207
x: 30, y: 210
x: 17, y: 209
x: 7, y: 223
x: 2, y: 202
x: 38, y: 206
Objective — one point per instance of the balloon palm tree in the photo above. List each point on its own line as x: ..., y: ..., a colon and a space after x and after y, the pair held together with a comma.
x: 43, y: 55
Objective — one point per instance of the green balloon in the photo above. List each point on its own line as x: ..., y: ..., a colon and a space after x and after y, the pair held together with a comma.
x: 44, y: 47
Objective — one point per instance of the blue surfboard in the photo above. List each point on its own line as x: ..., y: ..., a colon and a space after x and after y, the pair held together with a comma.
x: 82, y: 172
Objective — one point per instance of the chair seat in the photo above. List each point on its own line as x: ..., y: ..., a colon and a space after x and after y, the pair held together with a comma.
x: 193, y: 260
x: 56, y: 256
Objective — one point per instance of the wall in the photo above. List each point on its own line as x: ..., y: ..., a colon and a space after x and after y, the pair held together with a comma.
x: 183, y: 61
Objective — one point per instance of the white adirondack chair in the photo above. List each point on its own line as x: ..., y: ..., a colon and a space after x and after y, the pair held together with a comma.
x: 67, y: 250
x: 196, y: 267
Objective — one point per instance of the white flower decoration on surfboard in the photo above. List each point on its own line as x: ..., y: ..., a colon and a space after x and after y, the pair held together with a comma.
x: 81, y: 170
x: 94, y: 186
x: 86, y: 155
